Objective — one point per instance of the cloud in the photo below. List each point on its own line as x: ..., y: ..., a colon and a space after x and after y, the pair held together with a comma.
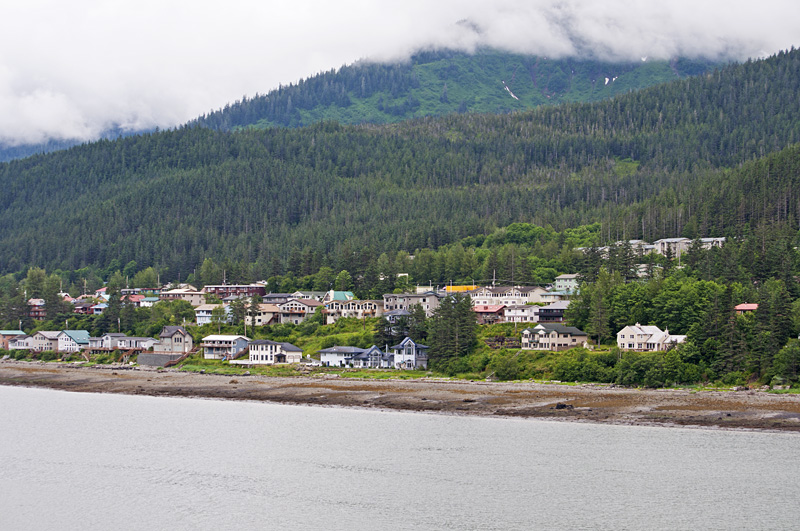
x: 73, y: 69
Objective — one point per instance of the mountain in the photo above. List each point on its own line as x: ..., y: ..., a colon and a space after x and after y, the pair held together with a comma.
x: 431, y: 84
x: 642, y: 164
x: 445, y: 82
x: 19, y: 151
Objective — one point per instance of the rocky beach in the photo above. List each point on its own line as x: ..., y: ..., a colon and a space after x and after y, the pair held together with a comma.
x: 742, y: 409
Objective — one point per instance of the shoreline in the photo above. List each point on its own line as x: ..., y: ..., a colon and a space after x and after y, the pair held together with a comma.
x: 596, y: 403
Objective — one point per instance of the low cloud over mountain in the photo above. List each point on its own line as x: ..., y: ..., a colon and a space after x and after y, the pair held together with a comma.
x: 72, y: 70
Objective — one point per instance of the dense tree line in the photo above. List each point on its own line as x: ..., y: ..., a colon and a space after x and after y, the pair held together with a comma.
x: 641, y: 164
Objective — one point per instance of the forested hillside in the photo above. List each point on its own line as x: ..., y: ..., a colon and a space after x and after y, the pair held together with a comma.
x: 701, y: 156
x: 445, y: 82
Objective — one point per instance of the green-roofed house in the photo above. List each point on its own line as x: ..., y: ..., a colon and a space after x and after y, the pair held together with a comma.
x: 6, y: 335
x: 72, y: 340
x: 338, y: 296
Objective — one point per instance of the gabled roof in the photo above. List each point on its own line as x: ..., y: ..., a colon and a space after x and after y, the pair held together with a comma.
x: 224, y: 337
x: 11, y: 332
x: 557, y: 328
x: 341, y: 350
x: 48, y: 334
x: 746, y: 307
x: 489, y: 308
x: 80, y: 337
x: 169, y: 331
x: 405, y: 342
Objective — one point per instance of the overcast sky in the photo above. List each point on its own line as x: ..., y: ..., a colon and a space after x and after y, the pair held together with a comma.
x: 72, y: 69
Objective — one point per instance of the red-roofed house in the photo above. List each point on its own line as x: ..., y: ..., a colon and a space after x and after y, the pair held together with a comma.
x: 745, y: 307
x: 488, y: 314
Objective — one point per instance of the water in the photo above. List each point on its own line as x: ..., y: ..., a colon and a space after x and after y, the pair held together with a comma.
x: 91, y: 461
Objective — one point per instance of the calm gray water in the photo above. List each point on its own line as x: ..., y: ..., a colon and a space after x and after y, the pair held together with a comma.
x: 92, y: 461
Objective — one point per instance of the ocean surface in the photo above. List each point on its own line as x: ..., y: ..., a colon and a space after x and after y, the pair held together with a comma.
x: 94, y: 461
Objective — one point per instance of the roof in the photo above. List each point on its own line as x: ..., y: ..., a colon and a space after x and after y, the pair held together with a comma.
x: 78, y: 336
x: 489, y: 308
x: 11, y: 332
x: 291, y: 348
x: 224, y: 337
x: 48, y: 334
x: 558, y: 305
x: 407, y: 340
x: 567, y: 276
x: 746, y: 307
x: 558, y: 328
x: 341, y: 350
x: 169, y: 331
x: 207, y: 307
x: 342, y: 296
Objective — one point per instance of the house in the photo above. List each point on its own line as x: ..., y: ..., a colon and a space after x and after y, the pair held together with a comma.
x: 203, y: 313
x: 138, y: 343
x: 395, y: 315
x: 647, y: 339
x: 568, y: 282
x: 708, y: 243
x: 134, y: 298
x: 265, y: 314
x: 674, y: 246
x: 7, y: 335
x: 508, y: 296
x: 72, y: 340
x: 522, y: 314
x: 296, y: 311
x: 276, y: 298
x: 20, y: 342
x: 36, y: 309
x: 410, y: 355
x: 489, y: 314
x: 552, y: 337
x: 44, y: 340
x: 337, y: 296
x: 360, y: 309
x: 148, y: 302
x: 174, y: 340
x: 220, y: 347
x: 744, y: 308
x: 193, y: 297
x: 372, y: 358
x: 404, y: 301
x: 553, y: 313
x: 338, y: 356
x: 236, y: 290
x: 106, y: 341
x: 98, y: 309
x: 555, y: 296
x: 265, y: 352
x: 84, y: 308
x: 315, y: 295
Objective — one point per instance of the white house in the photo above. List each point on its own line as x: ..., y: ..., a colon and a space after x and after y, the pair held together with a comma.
x: 522, y: 314
x: 359, y: 309
x: 410, y: 355
x: 338, y: 356
x: 20, y: 342
x: 265, y: 352
x: 72, y: 340
x: 647, y: 339
x: 507, y: 296
x: 296, y: 311
x: 218, y: 347
x: 567, y: 282
x: 143, y: 343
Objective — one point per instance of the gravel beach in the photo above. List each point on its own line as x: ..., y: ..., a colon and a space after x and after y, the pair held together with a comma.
x: 748, y: 409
